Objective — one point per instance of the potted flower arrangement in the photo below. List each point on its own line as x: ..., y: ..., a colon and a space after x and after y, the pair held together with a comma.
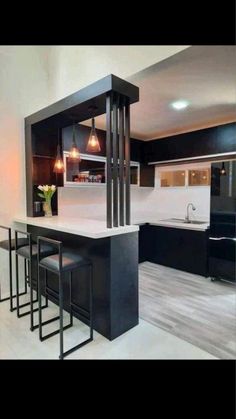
x: 47, y: 194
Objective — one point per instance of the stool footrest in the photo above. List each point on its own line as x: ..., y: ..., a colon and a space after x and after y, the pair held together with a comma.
x: 46, y: 321
x: 4, y: 299
x: 49, y: 335
x: 76, y: 347
x: 13, y: 296
x: 34, y: 310
x: 27, y: 304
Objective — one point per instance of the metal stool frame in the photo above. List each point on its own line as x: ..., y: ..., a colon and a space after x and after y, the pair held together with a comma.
x: 11, y: 296
x: 73, y: 307
x: 30, y: 283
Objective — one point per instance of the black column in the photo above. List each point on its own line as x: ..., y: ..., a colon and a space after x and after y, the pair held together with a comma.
x: 115, y: 161
x: 121, y: 162
x: 118, y: 160
x: 127, y: 161
x: 108, y: 165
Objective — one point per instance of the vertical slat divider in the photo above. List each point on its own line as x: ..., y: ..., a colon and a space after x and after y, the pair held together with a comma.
x: 127, y: 161
x: 115, y: 161
x: 108, y: 155
x: 121, y: 162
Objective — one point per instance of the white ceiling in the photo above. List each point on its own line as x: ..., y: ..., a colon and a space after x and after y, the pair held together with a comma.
x: 203, y: 75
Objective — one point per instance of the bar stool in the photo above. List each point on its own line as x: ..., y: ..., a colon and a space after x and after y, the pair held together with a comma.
x: 9, y: 246
x: 29, y: 252
x: 63, y: 261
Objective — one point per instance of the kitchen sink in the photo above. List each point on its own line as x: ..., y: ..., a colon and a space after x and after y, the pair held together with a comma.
x: 182, y: 220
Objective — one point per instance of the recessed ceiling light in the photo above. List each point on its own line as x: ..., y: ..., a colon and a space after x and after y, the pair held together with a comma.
x: 179, y: 104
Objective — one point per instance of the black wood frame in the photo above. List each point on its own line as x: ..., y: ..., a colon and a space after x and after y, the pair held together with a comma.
x: 105, y: 95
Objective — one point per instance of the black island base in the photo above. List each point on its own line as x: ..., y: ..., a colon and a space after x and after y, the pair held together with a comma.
x: 115, y: 278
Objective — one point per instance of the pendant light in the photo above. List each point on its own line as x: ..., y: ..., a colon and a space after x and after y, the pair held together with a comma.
x: 93, y: 145
x: 74, y: 151
x: 59, y: 165
x: 222, y: 170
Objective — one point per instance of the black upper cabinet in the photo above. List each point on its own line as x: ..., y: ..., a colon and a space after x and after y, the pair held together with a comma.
x: 147, y: 175
x: 226, y: 137
x: 136, y: 150
x: 215, y: 140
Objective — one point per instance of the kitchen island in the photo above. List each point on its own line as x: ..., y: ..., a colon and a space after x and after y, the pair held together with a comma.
x: 114, y: 255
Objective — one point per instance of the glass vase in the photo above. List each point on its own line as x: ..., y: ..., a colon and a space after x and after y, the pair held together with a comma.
x: 47, y: 208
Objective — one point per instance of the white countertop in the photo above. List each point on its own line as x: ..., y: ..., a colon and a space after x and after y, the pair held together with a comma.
x: 167, y: 223
x: 94, y: 229
x: 97, y: 229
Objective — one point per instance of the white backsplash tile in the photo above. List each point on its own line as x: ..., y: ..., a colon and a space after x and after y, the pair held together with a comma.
x: 90, y: 202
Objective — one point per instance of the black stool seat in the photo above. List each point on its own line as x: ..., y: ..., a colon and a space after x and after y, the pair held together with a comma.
x: 4, y: 244
x: 46, y: 250
x: 70, y: 261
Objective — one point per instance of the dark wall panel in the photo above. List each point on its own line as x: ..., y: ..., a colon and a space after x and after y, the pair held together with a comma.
x: 220, y: 139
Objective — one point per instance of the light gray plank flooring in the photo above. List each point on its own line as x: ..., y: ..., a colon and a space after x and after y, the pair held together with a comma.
x: 145, y: 341
x: 191, y: 307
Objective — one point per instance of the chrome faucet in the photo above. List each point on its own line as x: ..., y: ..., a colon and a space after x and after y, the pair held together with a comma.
x: 187, y: 219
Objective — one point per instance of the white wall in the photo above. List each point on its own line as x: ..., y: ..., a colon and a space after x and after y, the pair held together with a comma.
x: 23, y: 90
x: 90, y: 202
x: 172, y: 202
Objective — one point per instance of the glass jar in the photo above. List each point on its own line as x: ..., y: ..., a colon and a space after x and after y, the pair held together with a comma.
x: 47, y: 208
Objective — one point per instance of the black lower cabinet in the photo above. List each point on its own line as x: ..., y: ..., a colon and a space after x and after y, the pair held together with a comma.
x: 144, y: 242
x: 222, y: 259
x: 174, y: 247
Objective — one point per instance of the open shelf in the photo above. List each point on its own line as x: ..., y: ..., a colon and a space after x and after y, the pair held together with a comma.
x: 39, y: 156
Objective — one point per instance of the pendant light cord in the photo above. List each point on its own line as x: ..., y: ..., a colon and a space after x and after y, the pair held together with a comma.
x: 73, y: 136
x: 58, y: 143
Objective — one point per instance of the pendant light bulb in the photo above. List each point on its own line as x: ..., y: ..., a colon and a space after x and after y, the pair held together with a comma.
x: 59, y: 165
x: 74, y: 151
x: 222, y: 170
x: 93, y: 145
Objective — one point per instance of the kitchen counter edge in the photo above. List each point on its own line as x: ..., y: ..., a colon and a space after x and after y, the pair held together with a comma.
x: 96, y: 229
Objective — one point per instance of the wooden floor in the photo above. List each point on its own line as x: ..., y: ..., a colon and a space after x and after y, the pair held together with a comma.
x: 190, y: 307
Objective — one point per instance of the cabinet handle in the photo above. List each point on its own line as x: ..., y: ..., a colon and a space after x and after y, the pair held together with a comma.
x: 223, y: 238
